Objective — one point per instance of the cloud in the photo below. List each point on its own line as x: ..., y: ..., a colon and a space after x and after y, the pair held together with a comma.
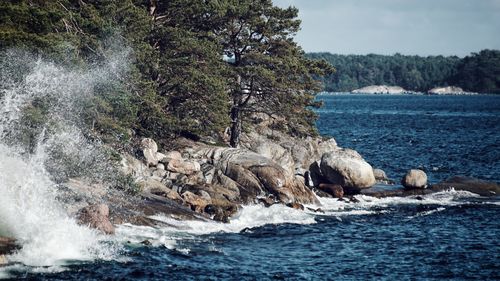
x: 424, y: 27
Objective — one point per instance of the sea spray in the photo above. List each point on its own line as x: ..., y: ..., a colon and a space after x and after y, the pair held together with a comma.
x: 29, y: 211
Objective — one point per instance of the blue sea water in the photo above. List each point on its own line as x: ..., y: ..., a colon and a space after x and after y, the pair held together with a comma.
x: 447, y: 236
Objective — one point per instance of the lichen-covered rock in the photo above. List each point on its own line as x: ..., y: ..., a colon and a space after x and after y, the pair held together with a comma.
x: 347, y: 168
x: 414, y: 179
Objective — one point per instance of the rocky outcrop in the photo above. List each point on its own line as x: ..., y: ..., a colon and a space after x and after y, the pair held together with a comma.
x: 96, y: 216
x: 347, y: 168
x: 255, y: 175
x: 481, y: 187
x: 450, y: 90
x: 380, y: 89
x: 414, y: 179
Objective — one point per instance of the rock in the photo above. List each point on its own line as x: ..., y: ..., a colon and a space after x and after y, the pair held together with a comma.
x: 149, y: 150
x: 380, y: 175
x: 315, y: 174
x: 450, y: 90
x: 380, y: 89
x: 183, y: 167
x: 171, y: 155
x: 7, y: 246
x: 296, y: 206
x: 96, y: 216
x: 3, y: 260
x: 160, y: 166
x: 196, y: 202
x: 133, y: 167
x: 481, y: 187
x: 414, y: 179
x: 348, y: 169
x: 256, y: 175
x: 221, y: 212
x: 267, y: 201
x: 334, y: 190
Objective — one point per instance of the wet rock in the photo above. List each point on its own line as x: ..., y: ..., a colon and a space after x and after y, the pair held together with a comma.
x: 7, y: 246
x: 315, y: 174
x: 381, y: 190
x: 318, y: 210
x: 477, y: 186
x: 221, y: 212
x: 347, y: 168
x: 96, y: 216
x: 415, y: 179
x: 334, y: 190
x: 296, y: 206
x: 146, y: 243
x: 267, y: 201
x: 196, y: 202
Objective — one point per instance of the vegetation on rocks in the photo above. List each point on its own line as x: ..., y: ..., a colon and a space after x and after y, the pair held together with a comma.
x: 196, y: 67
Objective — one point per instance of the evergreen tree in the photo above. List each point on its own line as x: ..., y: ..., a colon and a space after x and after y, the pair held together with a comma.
x: 268, y: 71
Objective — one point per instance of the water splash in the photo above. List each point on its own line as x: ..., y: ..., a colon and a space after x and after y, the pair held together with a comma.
x: 29, y: 211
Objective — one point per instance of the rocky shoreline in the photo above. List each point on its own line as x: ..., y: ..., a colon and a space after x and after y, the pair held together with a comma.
x: 200, y: 181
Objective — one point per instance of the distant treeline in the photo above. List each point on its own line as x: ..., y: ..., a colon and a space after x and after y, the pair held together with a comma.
x: 479, y: 72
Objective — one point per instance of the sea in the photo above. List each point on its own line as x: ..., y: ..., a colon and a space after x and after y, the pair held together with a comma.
x: 450, y: 235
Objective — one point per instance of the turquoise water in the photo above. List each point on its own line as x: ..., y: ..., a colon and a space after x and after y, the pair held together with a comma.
x: 446, y: 236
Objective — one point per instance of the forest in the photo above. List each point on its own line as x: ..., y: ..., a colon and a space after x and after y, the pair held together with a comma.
x: 478, y: 72
x: 196, y: 68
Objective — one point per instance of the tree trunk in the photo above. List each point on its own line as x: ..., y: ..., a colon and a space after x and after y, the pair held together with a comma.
x: 235, y: 126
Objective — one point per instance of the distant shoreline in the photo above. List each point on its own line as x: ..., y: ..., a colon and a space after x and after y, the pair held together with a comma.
x: 400, y: 94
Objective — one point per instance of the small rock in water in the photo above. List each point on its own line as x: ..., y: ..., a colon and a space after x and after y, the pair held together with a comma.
x: 295, y: 205
x: 414, y: 179
x: 146, y: 243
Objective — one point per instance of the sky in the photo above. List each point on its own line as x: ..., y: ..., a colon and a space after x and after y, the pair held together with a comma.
x: 410, y: 27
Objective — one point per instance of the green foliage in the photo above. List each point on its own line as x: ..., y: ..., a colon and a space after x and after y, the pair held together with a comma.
x: 268, y: 72
x: 479, y: 72
x: 194, y: 62
x: 410, y: 72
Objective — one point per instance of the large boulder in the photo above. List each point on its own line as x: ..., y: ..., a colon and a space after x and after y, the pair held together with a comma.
x: 481, y: 187
x: 347, y: 168
x: 414, y: 179
x: 96, y: 216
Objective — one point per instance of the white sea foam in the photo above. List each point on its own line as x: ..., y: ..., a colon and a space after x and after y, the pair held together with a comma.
x: 29, y: 211
x: 248, y: 217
